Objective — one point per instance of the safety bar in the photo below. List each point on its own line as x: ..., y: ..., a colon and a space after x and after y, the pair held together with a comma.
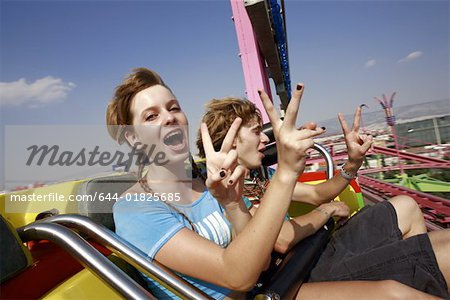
x: 130, y: 254
x: 271, y: 157
x: 271, y: 151
x: 87, y: 255
x: 328, y: 159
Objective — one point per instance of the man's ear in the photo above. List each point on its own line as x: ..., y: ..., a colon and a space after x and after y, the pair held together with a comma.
x: 235, y: 142
x: 236, y: 138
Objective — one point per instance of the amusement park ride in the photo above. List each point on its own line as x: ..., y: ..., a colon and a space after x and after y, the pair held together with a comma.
x: 260, y: 57
x: 79, y: 255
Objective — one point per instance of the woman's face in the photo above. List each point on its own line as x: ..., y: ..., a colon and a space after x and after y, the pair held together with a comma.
x: 250, y: 144
x: 158, y: 120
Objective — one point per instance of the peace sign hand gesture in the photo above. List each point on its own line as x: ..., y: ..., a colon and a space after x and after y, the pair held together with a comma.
x: 292, y: 143
x: 224, y: 175
x: 357, y: 144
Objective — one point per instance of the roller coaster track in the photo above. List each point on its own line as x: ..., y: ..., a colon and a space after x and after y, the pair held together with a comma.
x: 430, y: 161
x: 408, y: 155
x: 407, y: 167
x: 256, y: 38
x: 436, y: 210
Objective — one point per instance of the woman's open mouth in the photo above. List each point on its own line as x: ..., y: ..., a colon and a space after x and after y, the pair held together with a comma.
x: 175, y: 140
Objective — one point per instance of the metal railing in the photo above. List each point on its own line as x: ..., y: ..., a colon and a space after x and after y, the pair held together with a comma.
x: 130, y: 254
x: 328, y: 159
x: 87, y: 255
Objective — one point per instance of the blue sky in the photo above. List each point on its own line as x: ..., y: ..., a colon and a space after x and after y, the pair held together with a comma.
x: 60, y: 60
x: 346, y: 52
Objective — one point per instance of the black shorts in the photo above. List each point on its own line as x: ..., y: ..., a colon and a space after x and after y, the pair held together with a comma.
x: 370, y: 247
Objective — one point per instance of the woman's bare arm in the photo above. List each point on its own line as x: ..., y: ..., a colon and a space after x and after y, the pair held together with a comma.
x: 239, y: 265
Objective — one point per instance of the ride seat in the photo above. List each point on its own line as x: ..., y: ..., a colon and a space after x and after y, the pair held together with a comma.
x: 15, y: 257
x: 101, y: 194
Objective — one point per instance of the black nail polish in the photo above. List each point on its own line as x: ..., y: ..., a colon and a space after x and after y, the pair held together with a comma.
x: 222, y: 173
x: 324, y: 128
x: 299, y: 87
x: 230, y: 181
x: 259, y: 92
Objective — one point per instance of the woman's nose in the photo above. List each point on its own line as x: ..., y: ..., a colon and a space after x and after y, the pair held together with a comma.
x: 169, y: 118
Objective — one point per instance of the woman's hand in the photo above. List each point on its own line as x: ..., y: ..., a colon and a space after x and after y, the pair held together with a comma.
x: 357, y: 144
x: 292, y: 143
x: 225, y: 178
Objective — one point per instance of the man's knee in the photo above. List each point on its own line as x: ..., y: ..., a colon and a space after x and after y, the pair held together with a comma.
x: 405, y: 204
x: 410, y: 217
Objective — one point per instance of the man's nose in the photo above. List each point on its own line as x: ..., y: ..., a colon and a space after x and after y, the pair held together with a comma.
x: 264, y: 138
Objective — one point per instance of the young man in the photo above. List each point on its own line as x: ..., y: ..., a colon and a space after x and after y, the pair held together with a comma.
x: 386, y: 241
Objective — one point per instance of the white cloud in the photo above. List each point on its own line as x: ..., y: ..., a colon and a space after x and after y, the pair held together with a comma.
x: 43, y: 91
x: 370, y: 63
x: 411, y: 56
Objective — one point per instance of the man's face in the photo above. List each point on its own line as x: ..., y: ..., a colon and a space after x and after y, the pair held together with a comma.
x: 250, y: 144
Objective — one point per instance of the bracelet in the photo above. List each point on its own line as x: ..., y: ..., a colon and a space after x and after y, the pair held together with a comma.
x: 323, y: 211
x: 345, y: 174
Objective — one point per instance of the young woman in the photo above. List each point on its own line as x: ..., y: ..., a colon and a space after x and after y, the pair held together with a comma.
x: 387, y: 241
x: 206, y: 234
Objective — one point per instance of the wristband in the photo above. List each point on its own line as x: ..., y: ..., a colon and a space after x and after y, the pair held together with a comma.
x: 345, y: 174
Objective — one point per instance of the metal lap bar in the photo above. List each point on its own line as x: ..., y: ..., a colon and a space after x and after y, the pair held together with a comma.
x: 271, y: 157
x: 130, y: 254
x: 328, y: 159
x: 87, y: 255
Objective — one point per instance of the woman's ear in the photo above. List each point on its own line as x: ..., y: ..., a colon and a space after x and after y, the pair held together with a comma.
x: 132, y: 138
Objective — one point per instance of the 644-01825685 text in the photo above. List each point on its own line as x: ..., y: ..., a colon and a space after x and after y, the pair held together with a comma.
x: 56, y: 197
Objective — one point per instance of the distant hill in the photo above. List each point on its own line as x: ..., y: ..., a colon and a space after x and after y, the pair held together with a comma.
x: 375, y: 120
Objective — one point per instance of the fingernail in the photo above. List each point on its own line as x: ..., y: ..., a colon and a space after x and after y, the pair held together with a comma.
x: 323, y: 128
x: 299, y: 87
x: 259, y: 92
x: 222, y: 173
x: 230, y: 181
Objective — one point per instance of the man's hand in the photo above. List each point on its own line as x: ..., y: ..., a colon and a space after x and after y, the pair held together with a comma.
x: 357, y: 144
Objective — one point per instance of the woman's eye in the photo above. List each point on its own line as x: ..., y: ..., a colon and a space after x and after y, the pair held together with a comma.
x: 151, y: 117
x: 175, y: 108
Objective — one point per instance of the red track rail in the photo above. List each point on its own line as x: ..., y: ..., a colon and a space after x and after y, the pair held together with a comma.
x: 407, y: 167
x: 436, y: 209
x: 391, y: 152
x: 408, y: 155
